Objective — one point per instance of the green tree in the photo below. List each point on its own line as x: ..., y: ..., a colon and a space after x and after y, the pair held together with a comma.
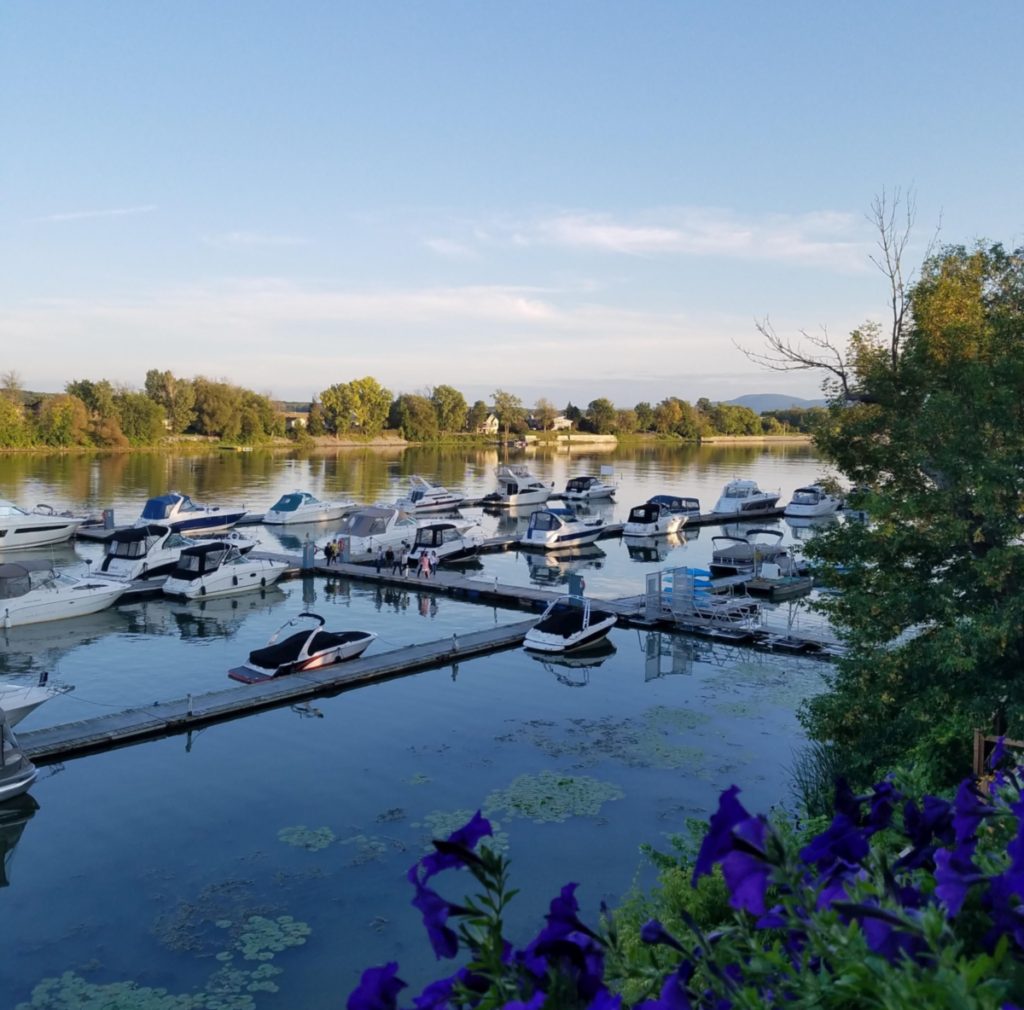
x: 63, y: 421
x: 508, y: 409
x: 176, y: 396
x: 361, y: 405
x: 545, y: 412
x: 417, y: 417
x: 668, y: 415
x: 315, y: 423
x: 476, y: 416
x: 644, y: 416
x: 601, y: 416
x: 141, y: 420
x: 450, y: 407
x: 15, y: 431
x: 218, y: 408
x: 926, y: 420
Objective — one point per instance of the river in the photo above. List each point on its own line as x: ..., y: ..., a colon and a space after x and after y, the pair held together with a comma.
x: 262, y: 862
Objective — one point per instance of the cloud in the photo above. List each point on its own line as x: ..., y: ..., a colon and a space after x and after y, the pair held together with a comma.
x: 253, y: 239
x: 449, y: 248
x: 82, y: 215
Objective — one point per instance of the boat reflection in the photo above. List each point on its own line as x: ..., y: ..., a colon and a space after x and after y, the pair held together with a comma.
x: 220, y: 617
x: 573, y: 669
x: 807, y: 529
x: 512, y: 521
x: 27, y: 647
x: 57, y: 555
x: 554, y: 567
x: 14, y: 815
x: 654, y: 548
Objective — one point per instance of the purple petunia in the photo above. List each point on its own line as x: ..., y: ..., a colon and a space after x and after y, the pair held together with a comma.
x: 456, y: 850
x: 969, y: 810
x: 719, y: 841
x: 746, y: 869
x: 955, y: 875
x: 435, y: 911
x: 378, y: 989
x: 841, y: 842
x: 653, y: 932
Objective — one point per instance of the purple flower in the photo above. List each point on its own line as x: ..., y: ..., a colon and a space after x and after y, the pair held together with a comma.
x: 535, y: 1002
x: 884, y: 797
x: 998, y: 753
x: 843, y: 841
x: 435, y: 911
x: 955, y: 875
x: 605, y: 1000
x: 746, y: 869
x: 653, y: 932
x: 673, y: 993
x: 969, y: 810
x: 456, y: 850
x: 378, y: 989
x: 719, y: 840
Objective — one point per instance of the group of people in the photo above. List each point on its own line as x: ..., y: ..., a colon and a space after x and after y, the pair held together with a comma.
x: 402, y: 562
x: 333, y: 550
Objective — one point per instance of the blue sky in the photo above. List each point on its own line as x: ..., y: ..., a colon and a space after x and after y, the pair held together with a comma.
x: 563, y: 199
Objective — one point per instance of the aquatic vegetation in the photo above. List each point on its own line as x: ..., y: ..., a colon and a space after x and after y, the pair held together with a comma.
x: 442, y: 823
x: 549, y: 797
x: 419, y: 779
x: 392, y: 814
x: 262, y: 938
x: 302, y: 837
x: 371, y: 848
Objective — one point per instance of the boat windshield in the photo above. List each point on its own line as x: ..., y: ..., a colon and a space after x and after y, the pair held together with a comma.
x: 644, y: 513
x: 739, y: 491
x: 159, y: 508
x: 545, y: 521
x: 806, y: 496
x: 366, y: 526
x: 580, y: 483
x: 287, y: 503
x: 15, y: 581
x: 9, y: 510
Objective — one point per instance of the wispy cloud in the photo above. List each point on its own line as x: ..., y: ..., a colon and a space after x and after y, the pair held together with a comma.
x: 253, y: 239
x: 450, y: 248
x: 82, y: 215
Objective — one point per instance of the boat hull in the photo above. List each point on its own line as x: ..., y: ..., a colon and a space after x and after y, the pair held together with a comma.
x: 251, y: 674
x: 595, y: 633
x: 57, y: 607
x: 28, y: 533
x: 245, y: 578
x: 327, y: 513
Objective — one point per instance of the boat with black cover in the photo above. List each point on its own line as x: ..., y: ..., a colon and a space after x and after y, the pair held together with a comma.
x: 569, y: 623
x: 306, y: 649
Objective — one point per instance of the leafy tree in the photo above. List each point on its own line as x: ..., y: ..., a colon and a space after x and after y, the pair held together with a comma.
x: 601, y: 416
x: 176, y: 396
x: 644, y: 416
x: 545, y: 412
x: 416, y: 416
x: 625, y: 421
x: 476, y: 416
x: 450, y: 407
x: 141, y: 420
x: 508, y: 409
x: 11, y: 387
x: 315, y: 422
x: 15, y: 431
x: 63, y: 421
x: 218, y: 408
x: 573, y: 414
x: 360, y: 405
x: 668, y: 415
x: 927, y: 422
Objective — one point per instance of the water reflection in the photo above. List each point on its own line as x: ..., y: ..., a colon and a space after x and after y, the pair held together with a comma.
x: 655, y: 548
x: 554, y: 567
x: 666, y: 654
x: 31, y: 647
x: 14, y: 815
x: 574, y: 670
x: 216, y: 618
x: 808, y: 529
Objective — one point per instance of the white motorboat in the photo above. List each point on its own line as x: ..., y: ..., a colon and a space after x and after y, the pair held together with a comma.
x: 183, y: 515
x: 517, y: 486
x: 427, y: 497
x: 740, y: 497
x: 812, y: 502
x: 19, y: 528
x: 144, y: 552
x: 302, y: 507
x: 17, y: 773
x: 557, y: 529
x: 18, y: 700
x: 743, y: 555
x: 588, y: 489
x: 569, y: 623
x: 29, y: 595
x: 368, y: 529
x: 306, y: 649
x: 448, y: 541
x: 660, y: 515
x: 218, y: 568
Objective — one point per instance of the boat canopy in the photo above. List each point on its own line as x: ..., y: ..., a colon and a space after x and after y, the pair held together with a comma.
x: 740, y: 489
x: 807, y: 495
x: 581, y: 484
x: 15, y: 581
x: 135, y: 542
x: 646, y: 513
x: 551, y: 519
x: 204, y: 558
x: 292, y: 502
x: 372, y: 522
x: 436, y: 534
x: 672, y: 503
x: 164, y: 505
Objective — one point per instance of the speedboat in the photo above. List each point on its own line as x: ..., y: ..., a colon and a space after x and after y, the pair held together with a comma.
x: 448, y: 541
x: 18, y: 700
x: 19, y: 528
x: 307, y: 649
x: 427, y: 497
x: 143, y: 552
x: 17, y: 773
x: 588, y: 489
x: 569, y: 623
x: 741, y: 496
x: 29, y: 595
x: 368, y: 529
x: 517, y: 486
x: 557, y: 529
x: 661, y: 514
x: 218, y: 568
x: 743, y: 555
x: 811, y: 502
x: 302, y: 507
x: 183, y: 515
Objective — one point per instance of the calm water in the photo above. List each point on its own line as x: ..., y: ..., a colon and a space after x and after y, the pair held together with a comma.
x: 176, y: 864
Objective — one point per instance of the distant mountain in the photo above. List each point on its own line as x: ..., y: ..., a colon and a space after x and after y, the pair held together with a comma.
x: 760, y: 402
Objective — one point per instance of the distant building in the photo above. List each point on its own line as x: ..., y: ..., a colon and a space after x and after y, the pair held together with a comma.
x: 560, y: 423
x: 295, y: 420
x: 491, y: 425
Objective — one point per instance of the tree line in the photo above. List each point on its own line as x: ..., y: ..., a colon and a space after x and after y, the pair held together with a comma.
x: 102, y: 414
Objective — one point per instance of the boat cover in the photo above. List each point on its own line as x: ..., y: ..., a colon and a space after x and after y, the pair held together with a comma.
x: 271, y: 657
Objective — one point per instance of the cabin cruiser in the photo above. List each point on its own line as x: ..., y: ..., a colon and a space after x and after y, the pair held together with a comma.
x: 588, y: 489
x: 183, y: 515
x: 743, y: 555
x: 17, y: 773
x: 557, y: 529
x: 32, y: 593
x: 143, y: 552
x: 306, y: 649
x: 661, y: 514
x: 19, y: 528
x: 448, y: 541
x: 376, y: 526
x: 218, y: 568
x: 18, y: 700
x: 517, y: 486
x: 812, y: 502
x: 741, y: 496
x: 427, y: 497
x: 568, y: 623
x: 302, y: 507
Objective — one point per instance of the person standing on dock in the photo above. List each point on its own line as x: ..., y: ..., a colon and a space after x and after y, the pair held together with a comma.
x: 433, y: 563
x: 424, y: 567
x: 329, y: 552
x: 401, y: 559
x: 380, y: 559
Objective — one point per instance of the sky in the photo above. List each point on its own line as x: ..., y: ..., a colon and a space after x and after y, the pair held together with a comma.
x: 566, y: 199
